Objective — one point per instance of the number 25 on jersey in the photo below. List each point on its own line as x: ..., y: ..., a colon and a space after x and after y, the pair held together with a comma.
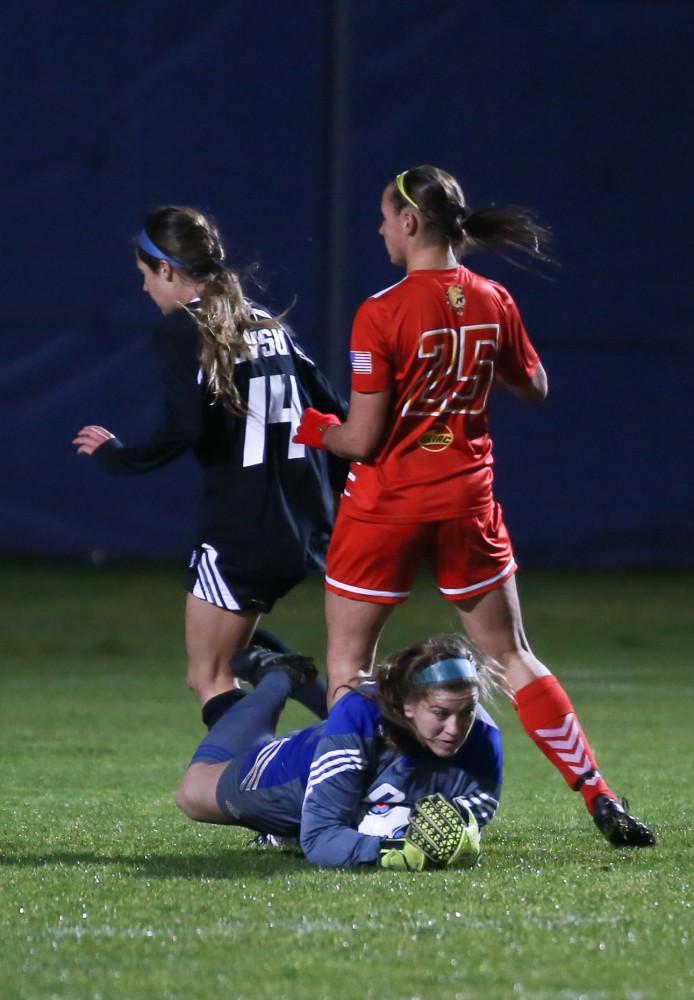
x: 459, y: 373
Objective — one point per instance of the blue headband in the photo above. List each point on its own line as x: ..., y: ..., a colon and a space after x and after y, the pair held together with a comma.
x: 455, y: 668
x: 145, y: 243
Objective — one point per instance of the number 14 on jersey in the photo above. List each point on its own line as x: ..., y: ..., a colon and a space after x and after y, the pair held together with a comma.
x: 272, y: 399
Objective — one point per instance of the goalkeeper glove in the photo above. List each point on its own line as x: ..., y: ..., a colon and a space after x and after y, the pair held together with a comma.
x: 313, y: 426
x: 402, y: 856
x: 449, y: 837
x: 439, y: 836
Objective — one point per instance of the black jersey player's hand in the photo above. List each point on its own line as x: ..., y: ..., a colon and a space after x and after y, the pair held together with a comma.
x: 447, y: 835
x: 90, y: 438
x: 313, y: 426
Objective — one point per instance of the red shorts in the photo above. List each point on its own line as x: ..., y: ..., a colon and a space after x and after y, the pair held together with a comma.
x: 377, y: 561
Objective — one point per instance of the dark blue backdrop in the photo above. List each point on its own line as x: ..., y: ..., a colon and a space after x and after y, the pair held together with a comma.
x: 286, y: 120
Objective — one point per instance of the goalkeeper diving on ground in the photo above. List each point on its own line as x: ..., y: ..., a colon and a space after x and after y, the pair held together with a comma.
x: 403, y: 774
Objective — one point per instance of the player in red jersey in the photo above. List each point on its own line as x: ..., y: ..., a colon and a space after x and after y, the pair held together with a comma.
x: 425, y: 355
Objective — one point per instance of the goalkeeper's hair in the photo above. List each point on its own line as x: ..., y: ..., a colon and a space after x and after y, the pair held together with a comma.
x: 395, y: 682
x: 511, y: 231
x: 224, y: 313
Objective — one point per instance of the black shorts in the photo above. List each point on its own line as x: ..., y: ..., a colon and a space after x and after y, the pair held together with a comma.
x: 217, y: 581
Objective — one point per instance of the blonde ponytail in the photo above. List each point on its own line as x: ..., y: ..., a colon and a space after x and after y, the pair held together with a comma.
x: 222, y: 319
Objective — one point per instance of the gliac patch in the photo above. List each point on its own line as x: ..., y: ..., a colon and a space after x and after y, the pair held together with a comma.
x: 437, y: 438
x: 456, y: 298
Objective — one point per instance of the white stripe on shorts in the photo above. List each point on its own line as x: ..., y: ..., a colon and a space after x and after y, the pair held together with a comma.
x: 511, y: 564
x: 363, y: 590
x: 210, y: 585
x: 264, y: 758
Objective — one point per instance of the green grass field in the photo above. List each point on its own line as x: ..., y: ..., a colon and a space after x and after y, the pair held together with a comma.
x: 107, y: 891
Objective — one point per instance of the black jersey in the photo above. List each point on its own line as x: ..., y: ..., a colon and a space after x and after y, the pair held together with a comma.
x: 267, y: 502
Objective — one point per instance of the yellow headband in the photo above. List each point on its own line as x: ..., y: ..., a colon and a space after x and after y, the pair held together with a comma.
x: 400, y: 185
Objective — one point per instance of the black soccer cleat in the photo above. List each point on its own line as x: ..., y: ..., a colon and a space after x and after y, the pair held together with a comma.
x: 253, y: 663
x: 619, y: 828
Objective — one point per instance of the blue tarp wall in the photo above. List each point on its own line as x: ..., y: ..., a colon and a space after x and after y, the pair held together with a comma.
x: 285, y: 121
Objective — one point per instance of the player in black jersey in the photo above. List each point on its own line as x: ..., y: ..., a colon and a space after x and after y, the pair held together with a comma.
x: 235, y: 386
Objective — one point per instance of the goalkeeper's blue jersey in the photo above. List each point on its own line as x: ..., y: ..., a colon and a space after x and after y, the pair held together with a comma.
x: 319, y: 782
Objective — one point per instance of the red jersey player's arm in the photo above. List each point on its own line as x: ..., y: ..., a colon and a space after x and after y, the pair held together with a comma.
x: 362, y: 432
x: 533, y: 391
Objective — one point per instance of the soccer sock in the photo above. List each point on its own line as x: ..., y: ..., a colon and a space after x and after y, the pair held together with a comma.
x: 548, y: 717
x: 247, y: 719
x: 215, y: 707
x: 314, y: 697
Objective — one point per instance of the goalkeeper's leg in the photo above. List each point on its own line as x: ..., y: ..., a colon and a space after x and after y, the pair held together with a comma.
x: 313, y: 696
x: 249, y: 721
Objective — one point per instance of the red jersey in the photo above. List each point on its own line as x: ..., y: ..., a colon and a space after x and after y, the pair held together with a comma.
x: 437, y: 340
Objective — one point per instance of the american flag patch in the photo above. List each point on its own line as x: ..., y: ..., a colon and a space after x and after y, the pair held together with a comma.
x: 361, y: 361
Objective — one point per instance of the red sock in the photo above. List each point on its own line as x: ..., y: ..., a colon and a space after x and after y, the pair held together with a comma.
x: 548, y: 717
